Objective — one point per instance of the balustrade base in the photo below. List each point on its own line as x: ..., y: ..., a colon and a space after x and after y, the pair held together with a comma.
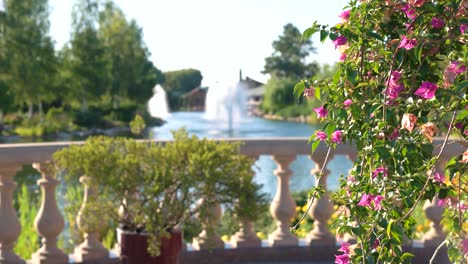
x: 84, y: 253
x: 204, y: 243
x: 321, y: 239
x: 284, y: 240
x: 54, y: 257
x: 10, y: 258
x: 244, y: 242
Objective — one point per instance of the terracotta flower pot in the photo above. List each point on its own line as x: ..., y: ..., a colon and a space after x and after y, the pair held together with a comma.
x: 133, y: 249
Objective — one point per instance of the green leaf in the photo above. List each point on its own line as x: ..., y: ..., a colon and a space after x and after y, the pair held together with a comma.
x: 318, y: 93
x: 315, y: 145
x: 461, y: 85
x: 389, y: 228
x: 323, y: 35
x: 309, y: 32
x: 299, y: 89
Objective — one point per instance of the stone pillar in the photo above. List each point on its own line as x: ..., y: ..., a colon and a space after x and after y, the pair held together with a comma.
x: 49, y: 222
x: 246, y: 236
x: 88, y: 221
x: 209, y: 237
x: 10, y: 227
x: 435, y: 235
x: 283, y: 206
x: 433, y: 212
x: 321, y: 209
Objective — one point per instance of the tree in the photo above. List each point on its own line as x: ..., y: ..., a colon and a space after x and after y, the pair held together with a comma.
x: 179, y: 82
x: 288, y: 58
x: 27, y: 52
x: 278, y: 94
x: 133, y: 74
x: 89, y: 67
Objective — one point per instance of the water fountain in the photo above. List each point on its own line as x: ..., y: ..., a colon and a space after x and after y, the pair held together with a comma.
x: 226, y: 104
x: 157, y: 105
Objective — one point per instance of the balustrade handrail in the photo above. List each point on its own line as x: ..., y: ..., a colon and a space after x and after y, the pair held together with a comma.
x: 27, y: 153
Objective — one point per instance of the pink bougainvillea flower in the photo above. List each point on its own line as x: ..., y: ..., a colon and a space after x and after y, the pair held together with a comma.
x: 376, y: 244
x: 382, y: 170
x: 406, y: 43
x: 366, y: 200
x: 437, y: 22
x: 395, y: 134
x: 339, y: 41
x: 408, y: 121
x: 410, y: 12
x: 463, y: 28
x: 336, y: 136
x: 426, y: 90
x: 344, y: 248
x: 342, y: 259
x: 343, y: 57
x: 321, y: 135
x: 321, y: 112
x: 342, y: 50
x: 465, y: 246
x: 395, y: 77
x: 443, y: 202
x: 345, y: 15
x: 393, y: 91
x: 439, y: 177
x: 309, y: 92
x: 347, y: 103
x: 429, y: 130
x: 465, y: 157
x: 453, y: 69
x: 377, y: 202
x: 417, y: 3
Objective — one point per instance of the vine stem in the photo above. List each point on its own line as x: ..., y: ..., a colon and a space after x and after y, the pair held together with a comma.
x: 310, y: 201
x: 442, y: 148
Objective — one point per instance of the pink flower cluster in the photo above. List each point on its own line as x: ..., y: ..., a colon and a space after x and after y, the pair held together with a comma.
x: 410, y: 12
x: 345, y: 16
x: 371, y: 201
x: 407, y: 44
x: 339, y: 41
x: 380, y: 170
x: 321, y: 112
x: 343, y: 258
x: 439, y: 177
x: 426, y: 90
x: 394, y: 88
x: 437, y: 23
x: 335, y: 136
x: 453, y: 69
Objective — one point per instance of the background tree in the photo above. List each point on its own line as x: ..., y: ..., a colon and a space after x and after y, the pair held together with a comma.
x: 28, y: 52
x: 177, y: 83
x: 133, y: 74
x: 288, y: 58
x: 88, y: 65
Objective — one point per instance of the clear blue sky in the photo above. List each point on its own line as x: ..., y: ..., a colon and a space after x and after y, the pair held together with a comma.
x: 217, y: 37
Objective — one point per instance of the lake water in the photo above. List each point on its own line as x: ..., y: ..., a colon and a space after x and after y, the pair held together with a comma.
x: 254, y: 127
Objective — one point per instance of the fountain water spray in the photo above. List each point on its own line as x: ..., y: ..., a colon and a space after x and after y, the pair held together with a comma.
x: 226, y: 103
x: 157, y: 105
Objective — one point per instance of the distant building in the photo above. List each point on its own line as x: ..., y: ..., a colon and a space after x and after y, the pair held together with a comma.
x: 195, y: 99
x: 254, y: 93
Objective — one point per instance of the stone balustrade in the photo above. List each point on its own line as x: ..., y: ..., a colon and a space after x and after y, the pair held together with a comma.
x: 49, y: 222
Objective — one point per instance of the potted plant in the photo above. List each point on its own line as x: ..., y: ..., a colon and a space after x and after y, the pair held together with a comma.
x: 152, y: 188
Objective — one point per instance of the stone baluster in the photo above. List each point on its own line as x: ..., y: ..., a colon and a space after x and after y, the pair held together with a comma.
x: 434, y: 212
x: 88, y: 220
x: 49, y: 222
x: 283, y: 206
x: 321, y: 209
x: 10, y: 227
x: 246, y: 236
x: 209, y: 237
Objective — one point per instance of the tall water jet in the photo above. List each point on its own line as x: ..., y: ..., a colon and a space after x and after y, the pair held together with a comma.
x: 226, y: 103
x: 157, y: 105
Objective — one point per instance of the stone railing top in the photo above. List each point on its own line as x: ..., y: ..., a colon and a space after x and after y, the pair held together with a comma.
x: 27, y: 153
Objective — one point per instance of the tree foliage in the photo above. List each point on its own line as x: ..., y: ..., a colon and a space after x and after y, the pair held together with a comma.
x: 288, y: 58
x: 177, y: 83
